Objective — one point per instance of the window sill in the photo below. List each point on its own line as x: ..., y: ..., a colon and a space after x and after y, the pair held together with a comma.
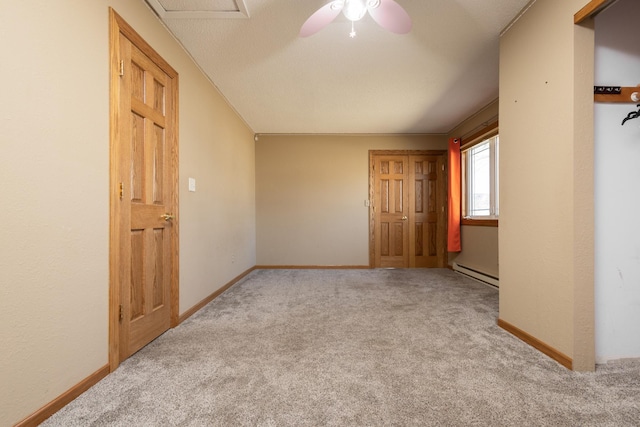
x: 480, y: 222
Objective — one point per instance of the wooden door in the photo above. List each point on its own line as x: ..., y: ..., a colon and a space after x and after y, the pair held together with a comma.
x: 427, y: 220
x: 391, y: 207
x: 144, y: 194
x: 408, y: 215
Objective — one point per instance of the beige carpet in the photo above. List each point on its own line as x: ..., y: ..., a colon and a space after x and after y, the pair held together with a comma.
x: 352, y: 348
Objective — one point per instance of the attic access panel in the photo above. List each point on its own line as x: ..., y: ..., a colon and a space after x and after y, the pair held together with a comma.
x: 199, y: 9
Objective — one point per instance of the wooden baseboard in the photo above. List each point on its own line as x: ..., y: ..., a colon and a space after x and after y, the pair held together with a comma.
x: 64, y: 399
x: 312, y: 267
x: 184, y: 316
x: 61, y: 401
x: 54, y: 406
x: 534, y: 342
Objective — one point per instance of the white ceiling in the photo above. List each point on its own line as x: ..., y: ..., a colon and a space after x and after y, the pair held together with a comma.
x: 426, y: 81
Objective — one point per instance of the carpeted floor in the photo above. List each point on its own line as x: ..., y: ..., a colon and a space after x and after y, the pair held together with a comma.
x: 352, y: 348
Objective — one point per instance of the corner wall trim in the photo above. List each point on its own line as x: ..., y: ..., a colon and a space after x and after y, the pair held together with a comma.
x: 184, y: 316
x: 591, y: 9
x: 64, y: 399
x: 534, y: 342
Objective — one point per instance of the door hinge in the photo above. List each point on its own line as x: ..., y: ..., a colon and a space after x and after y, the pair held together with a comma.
x: 121, y: 315
x: 121, y: 68
x: 121, y: 190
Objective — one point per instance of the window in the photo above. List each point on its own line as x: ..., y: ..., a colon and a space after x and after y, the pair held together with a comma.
x: 480, y: 179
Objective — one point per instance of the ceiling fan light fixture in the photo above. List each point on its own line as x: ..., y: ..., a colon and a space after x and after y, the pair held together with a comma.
x: 372, y: 4
x: 354, y: 10
x: 386, y: 13
x: 337, y: 5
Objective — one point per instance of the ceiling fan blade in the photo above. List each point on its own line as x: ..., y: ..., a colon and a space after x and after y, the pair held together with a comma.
x: 391, y: 16
x: 321, y: 18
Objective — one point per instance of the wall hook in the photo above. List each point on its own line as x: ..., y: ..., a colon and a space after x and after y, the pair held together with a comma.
x: 631, y: 115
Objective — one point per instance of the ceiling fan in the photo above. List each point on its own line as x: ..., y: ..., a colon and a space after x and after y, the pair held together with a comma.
x: 387, y: 13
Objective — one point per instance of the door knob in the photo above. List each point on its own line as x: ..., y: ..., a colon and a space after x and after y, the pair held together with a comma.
x: 404, y: 218
x: 167, y: 217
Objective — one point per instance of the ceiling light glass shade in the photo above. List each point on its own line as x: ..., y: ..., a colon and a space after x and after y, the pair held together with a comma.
x: 386, y: 13
x: 354, y: 10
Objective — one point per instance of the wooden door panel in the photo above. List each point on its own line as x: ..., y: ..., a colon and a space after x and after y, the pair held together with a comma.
x: 433, y: 237
x: 147, y: 272
x: 158, y: 96
x: 419, y: 197
x: 157, y: 165
x: 384, y: 240
x: 137, y: 158
x: 159, y: 298
x: 149, y: 313
x: 398, y: 244
x: 398, y: 196
x: 391, y: 239
x: 427, y: 211
x: 384, y: 192
x: 147, y: 216
x: 409, y: 220
x: 136, y: 301
x: 391, y: 195
x: 143, y: 293
x: 390, y: 207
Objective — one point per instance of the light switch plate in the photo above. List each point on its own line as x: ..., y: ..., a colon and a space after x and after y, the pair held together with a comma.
x: 192, y: 184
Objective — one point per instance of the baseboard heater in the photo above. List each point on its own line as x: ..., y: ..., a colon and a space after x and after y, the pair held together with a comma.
x: 477, y: 275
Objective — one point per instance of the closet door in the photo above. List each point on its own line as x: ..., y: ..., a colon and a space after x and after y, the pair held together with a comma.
x: 427, y: 217
x: 391, y: 210
x: 408, y: 220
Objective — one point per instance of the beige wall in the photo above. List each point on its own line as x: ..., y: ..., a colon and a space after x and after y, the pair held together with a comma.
x: 479, y: 249
x: 479, y: 244
x: 546, y: 192
x: 311, y: 192
x: 54, y: 246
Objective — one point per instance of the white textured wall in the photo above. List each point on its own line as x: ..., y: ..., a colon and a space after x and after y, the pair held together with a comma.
x: 54, y: 170
x: 617, y: 194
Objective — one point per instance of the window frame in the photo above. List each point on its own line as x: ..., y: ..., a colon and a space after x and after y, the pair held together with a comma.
x: 468, y: 143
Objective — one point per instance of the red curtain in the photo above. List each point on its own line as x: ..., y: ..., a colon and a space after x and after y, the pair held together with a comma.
x: 453, y: 240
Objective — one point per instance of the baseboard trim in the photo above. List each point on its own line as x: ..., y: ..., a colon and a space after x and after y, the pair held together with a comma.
x: 64, y: 399
x: 312, y: 267
x: 534, y: 342
x: 193, y: 310
x: 477, y: 275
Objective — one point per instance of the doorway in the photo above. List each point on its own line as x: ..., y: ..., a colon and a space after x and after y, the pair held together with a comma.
x: 407, y: 189
x: 143, y: 285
